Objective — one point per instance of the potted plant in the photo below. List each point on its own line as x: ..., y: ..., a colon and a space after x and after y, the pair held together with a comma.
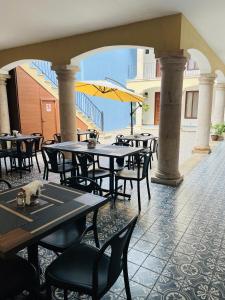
x: 217, y: 132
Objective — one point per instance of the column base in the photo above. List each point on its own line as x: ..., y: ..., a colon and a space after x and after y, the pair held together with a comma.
x: 164, y: 181
x: 201, y: 150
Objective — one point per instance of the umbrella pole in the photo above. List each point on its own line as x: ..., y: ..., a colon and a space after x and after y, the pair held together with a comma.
x: 131, y: 119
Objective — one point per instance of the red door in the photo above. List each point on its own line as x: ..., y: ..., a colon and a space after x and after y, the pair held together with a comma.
x: 157, y: 108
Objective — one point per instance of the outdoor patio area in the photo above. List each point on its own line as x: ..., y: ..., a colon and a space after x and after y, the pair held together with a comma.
x: 177, y: 249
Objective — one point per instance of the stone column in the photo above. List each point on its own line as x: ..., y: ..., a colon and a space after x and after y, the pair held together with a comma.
x: 172, y: 68
x: 219, y: 103
x: 206, y: 82
x: 4, y: 110
x: 67, y: 101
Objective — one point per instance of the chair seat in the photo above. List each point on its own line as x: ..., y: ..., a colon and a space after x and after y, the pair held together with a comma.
x: 105, y: 166
x: 67, y: 167
x: 16, y: 275
x: 65, y: 237
x: 74, y: 268
x: 98, y: 173
x: 127, y: 174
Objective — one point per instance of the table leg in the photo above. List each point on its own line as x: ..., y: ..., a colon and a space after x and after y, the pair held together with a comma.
x: 33, y: 258
x: 111, y: 180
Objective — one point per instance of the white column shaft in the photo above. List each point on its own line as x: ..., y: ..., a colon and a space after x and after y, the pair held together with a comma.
x: 206, y: 82
x: 219, y: 103
x: 4, y: 110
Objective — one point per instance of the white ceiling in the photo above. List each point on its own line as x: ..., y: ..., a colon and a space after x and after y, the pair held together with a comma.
x: 28, y: 21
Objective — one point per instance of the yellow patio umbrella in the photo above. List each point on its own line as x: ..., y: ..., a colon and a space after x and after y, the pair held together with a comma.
x: 108, y: 90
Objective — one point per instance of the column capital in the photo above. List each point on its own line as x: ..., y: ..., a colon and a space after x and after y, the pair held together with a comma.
x: 207, y: 78
x: 3, y: 78
x: 220, y: 86
x: 65, y: 68
x: 174, y: 62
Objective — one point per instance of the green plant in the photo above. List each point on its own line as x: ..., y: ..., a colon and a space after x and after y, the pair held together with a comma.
x: 218, y: 129
x: 145, y: 107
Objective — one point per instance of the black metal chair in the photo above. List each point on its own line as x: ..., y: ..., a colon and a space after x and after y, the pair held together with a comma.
x: 16, y: 276
x: 90, y: 270
x: 94, y: 134
x: 54, y: 161
x: 38, y: 142
x: 138, y: 175
x: 57, y: 137
x: 86, y: 166
x: 73, y: 232
x: 4, y: 185
x: 4, y: 153
x: 145, y: 143
x: 24, y: 154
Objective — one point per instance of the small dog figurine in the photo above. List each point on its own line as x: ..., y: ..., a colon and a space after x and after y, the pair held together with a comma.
x: 32, y: 189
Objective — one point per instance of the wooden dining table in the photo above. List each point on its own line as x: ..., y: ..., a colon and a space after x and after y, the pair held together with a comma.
x: 22, y: 227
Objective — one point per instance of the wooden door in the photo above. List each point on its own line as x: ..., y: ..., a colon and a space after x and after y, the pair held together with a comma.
x: 48, y: 118
x: 157, y: 108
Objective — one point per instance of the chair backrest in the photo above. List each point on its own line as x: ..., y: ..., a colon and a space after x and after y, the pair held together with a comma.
x: 146, y: 160
x: 28, y: 147
x: 146, y: 134
x: 118, y: 137
x: 54, y: 158
x: 4, y: 185
x: 84, y: 184
x: 85, y: 162
x: 57, y: 137
x: 38, y: 142
x: 49, y: 142
x: 118, y: 245
x: 154, y: 145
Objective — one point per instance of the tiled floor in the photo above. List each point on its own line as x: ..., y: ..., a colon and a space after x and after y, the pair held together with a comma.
x: 178, y: 249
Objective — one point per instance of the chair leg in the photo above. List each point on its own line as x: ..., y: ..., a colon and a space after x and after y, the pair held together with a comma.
x: 126, y: 281
x: 44, y: 173
x: 139, y: 196
x: 95, y: 229
x: 37, y: 163
x: 116, y: 188
x: 65, y: 295
x: 124, y: 186
x: 148, y: 188
x: 48, y: 292
x: 131, y: 184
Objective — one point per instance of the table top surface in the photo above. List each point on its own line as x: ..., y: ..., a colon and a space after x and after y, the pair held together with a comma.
x: 18, y: 138
x: 22, y: 226
x: 100, y: 149
x: 138, y: 137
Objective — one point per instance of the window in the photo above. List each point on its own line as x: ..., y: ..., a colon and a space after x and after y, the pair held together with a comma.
x: 146, y: 51
x: 191, y: 105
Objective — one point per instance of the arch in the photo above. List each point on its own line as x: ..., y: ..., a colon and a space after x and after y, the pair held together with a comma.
x: 12, y: 65
x: 202, y: 61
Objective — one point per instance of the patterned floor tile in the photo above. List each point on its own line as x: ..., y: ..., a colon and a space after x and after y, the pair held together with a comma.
x: 144, y: 246
x: 138, y: 291
x: 136, y: 257
x: 165, y: 284
x: 145, y: 277
x: 154, y: 263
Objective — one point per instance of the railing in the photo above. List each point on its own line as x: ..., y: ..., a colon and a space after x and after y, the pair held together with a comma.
x: 83, y: 102
x: 90, y: 109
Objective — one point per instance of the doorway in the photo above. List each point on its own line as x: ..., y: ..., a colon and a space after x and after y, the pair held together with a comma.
x: 48, y: 118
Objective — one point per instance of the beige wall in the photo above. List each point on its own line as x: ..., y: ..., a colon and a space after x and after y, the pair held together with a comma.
x: 152, y: 86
